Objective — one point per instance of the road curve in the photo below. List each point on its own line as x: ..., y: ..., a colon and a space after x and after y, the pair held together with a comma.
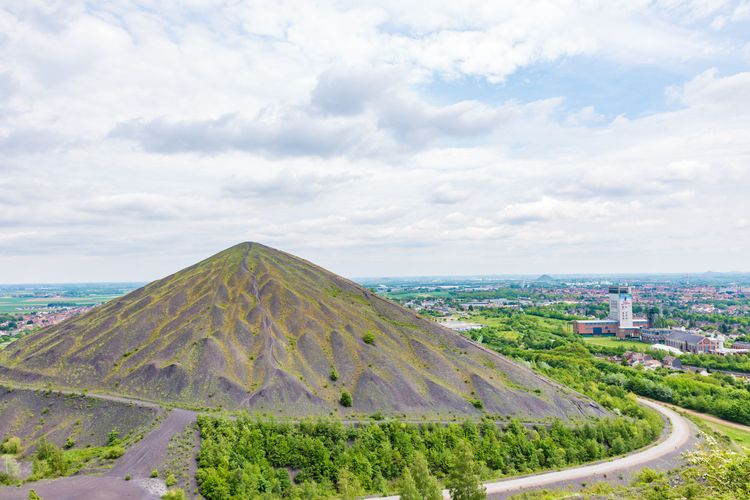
x: 679, y: 435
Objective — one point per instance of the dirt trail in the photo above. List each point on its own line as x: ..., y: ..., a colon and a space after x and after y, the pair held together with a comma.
x: 150, y: 452
x: 710, y: 418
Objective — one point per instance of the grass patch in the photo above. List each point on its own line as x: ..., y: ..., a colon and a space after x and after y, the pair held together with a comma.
x: 737, y: 436
x: 615, y: 342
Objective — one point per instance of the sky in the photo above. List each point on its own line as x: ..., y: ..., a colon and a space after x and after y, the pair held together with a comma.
x: 375, y: 138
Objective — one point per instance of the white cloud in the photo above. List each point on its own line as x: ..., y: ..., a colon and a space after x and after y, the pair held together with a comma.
x: 384, y: 129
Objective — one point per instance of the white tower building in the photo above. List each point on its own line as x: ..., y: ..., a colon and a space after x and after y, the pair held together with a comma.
x: 621, y: 305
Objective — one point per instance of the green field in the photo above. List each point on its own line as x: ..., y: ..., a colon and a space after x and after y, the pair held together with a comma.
x: 738, y: 436
x: 19, y: 305
x: 615, y: 342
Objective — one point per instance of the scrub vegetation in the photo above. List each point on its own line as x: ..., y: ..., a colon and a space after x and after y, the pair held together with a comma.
x: 245, y: 458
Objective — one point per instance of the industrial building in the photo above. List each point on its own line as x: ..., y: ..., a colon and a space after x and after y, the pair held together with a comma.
x: 620, y: 321
x: 683, y: 340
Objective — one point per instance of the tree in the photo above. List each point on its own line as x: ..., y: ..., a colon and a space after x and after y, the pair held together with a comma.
x: 463, y: 479
x: 113, y: 437
x: 427, y: 485
x: 349, y: 486
x: 11, y: 467
x: 49, y: 461
x: 346, y: 399
x: 407, y: 487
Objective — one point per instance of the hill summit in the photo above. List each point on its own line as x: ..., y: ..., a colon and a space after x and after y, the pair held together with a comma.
x: 253, y: 327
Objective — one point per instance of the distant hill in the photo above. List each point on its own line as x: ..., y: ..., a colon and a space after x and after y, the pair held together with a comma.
x: 257, y: 328
x: 545, y: 277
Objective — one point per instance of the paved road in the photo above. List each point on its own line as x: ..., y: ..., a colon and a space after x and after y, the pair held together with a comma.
x: 679, y: 436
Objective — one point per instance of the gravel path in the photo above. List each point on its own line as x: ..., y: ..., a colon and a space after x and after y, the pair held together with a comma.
x: 663, y: 455
x: 150, y: 452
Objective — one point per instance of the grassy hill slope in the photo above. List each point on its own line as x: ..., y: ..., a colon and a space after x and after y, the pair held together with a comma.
x: 257, y: 328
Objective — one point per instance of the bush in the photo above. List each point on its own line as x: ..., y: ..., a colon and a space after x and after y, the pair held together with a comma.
x: 154, y: 473
x: 334, y: 376
x: 113, y: 438
x: 69, y: 443
x: 368, y: 338
x: 49, y: 461
x: 346, y: 399
x: 170, y: 480
x: 10, y: 472
x: 11, y: 446
x: 113, y: 452
x: 174, y: 494
x: 127, y: 477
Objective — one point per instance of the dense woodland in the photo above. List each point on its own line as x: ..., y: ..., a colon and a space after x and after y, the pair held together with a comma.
x: 243, y: 458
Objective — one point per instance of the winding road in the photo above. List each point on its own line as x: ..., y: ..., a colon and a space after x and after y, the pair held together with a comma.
x: 677, y: 440
x: 150, y: 452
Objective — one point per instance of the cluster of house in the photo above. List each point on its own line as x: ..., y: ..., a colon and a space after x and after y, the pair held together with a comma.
x: 649, y: 362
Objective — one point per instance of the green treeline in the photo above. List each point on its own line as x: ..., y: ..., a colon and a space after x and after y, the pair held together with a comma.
x: 247, y: 458
x: 732, y: 362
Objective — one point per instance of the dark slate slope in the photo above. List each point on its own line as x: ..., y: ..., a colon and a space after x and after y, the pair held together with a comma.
x: 257, y: 328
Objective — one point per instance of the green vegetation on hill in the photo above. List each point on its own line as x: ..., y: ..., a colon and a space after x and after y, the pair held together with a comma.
x: 259, y: 329
x: 732, y: 362
x: 248, y: 458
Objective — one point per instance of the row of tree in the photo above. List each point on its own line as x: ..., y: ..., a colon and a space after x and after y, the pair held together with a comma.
x: 247, y: 458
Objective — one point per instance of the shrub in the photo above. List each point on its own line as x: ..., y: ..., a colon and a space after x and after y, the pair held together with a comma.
x: 33, y: 495
x: 49, y: 461
x: 346, y: 399
x: 174, y: 494
x: 476, y: 404
x: 369, y: 338
x: 113, y: 438
x: 154, y: 473
x: 10, y: 472
x: 11, y: 445
x: 113, y: 452
x: 69, y: 443
x: 127, y: 477
x: 334, y: 376
x: 170, y: 480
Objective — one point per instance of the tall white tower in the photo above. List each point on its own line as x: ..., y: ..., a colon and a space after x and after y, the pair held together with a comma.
x: 621, y: 305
